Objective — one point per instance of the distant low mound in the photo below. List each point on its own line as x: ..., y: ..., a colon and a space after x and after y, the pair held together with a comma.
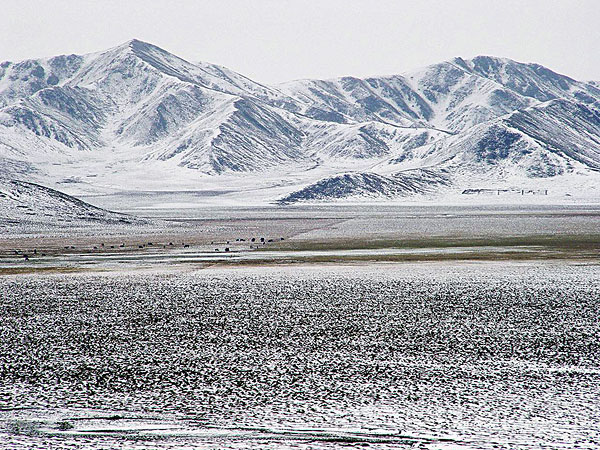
x: 29, y: 205
x: 370, y: 185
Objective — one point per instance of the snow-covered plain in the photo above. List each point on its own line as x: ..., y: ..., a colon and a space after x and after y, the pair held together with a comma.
x: 432, y: 356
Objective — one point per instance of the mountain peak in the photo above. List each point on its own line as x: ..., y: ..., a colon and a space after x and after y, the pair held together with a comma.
x: 138, y: 48
x: 141, y: 46
x: 122, y: 57
x: 491, y: 59
x: 133, y: 43
x: 485, y: 64
x: 461, y: 63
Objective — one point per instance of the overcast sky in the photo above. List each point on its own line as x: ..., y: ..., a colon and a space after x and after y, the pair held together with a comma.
x: 279, y: 40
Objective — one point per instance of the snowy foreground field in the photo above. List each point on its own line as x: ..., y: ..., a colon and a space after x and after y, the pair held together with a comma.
x: 455, y: 355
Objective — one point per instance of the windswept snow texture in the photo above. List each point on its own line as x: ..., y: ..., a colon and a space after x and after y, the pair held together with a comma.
x: 137, y: 117
x: 24, y: 205
x: 470, y: 357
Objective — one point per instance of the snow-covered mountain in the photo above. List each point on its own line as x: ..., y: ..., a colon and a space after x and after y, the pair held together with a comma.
x: 136, y: 117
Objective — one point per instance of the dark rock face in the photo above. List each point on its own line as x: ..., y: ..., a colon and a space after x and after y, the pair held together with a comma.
x: 495, y: 144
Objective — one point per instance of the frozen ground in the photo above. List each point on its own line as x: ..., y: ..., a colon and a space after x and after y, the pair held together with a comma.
x: 315, y: 233
x: 432, y: 356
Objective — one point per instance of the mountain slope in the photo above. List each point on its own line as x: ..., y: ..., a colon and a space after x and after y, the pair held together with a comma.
x: 27, y: 205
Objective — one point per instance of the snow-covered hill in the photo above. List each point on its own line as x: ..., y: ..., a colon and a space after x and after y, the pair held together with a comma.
x: 136, y: 117
x: 27, y: 206
x: 371, y: 185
